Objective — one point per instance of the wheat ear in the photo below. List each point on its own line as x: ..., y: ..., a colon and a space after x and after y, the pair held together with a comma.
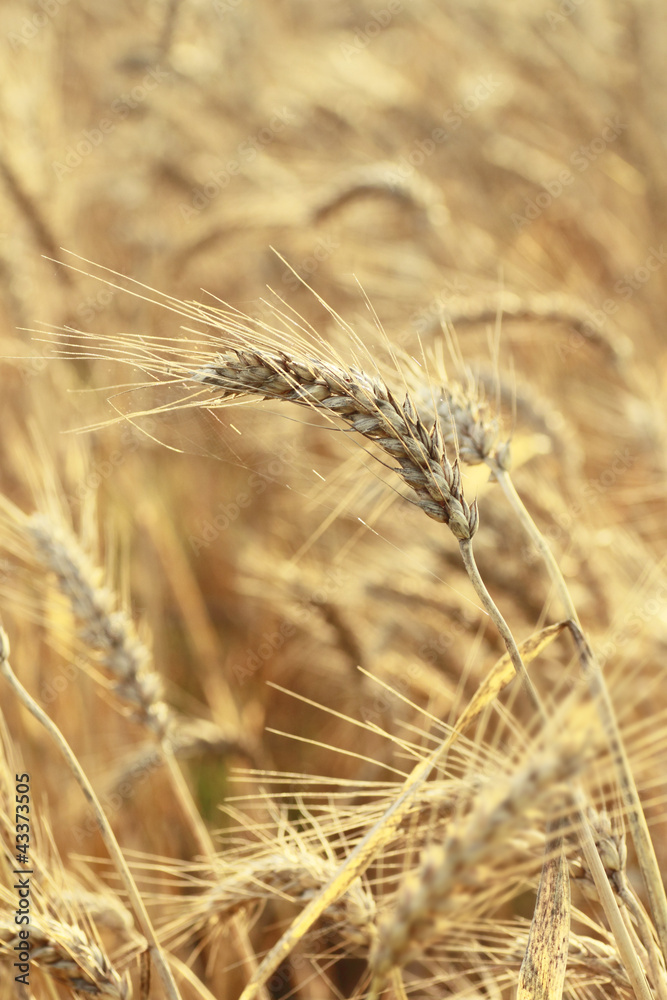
x: 63, y: 951
x: 127, y: 661
x: 549, y: 308
x: 106, y: 832
x: 613, y: 854
x: 368, y: 406
x: 290, y: 872
x: 469, y: 842
x: 476, y: 434
x: 602, y: 699
x: 382, y: 178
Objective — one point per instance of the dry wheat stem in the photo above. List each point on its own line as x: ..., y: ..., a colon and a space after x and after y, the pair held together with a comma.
x: 467, y: 554
x: 613, y: 855
x: 506, y: 484
x: 70, y: 956
x: 363, y: 854
x: 645, y: 932
x: 127, y: 660
x: 469, y: 844
x: 399, y: 431
x: 627, y: 952
x: 601, y: 697
x: 369, y: 408
x: 106, y: 832
x: 633, y: 809
x: 380, y: 833
x: 293, y: 873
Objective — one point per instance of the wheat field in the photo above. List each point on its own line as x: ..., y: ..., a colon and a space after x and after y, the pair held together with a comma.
x: 333, y: 594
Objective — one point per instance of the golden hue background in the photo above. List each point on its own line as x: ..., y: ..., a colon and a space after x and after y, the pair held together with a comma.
x: 477, y: 162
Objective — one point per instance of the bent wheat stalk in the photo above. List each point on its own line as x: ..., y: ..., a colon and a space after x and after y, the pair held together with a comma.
x: 599, y: 691
x: 477, y: 435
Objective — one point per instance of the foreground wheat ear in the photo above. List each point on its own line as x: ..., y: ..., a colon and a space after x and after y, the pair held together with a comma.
x: 364, y: 402
x: 369, y: 407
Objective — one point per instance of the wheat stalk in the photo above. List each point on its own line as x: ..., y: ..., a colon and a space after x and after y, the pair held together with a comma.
x: 471, y: 425
x: 602, y: 699
x: 103, y: 824
x: 128, y: 662
x: 469, y: 843
x: 367, y: 406
x: 612, y: 850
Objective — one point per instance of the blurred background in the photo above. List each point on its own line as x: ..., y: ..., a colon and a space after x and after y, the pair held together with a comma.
x: 422, y: 166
